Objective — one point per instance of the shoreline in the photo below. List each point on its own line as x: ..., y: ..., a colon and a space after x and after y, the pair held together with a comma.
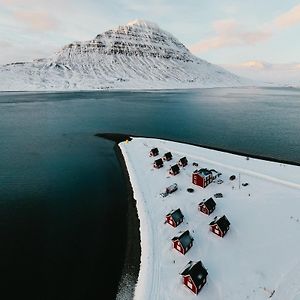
x: 121, y: 137
x: 132, y: 258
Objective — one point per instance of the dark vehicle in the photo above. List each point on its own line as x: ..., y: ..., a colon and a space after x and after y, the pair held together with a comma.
x: 169, y: 190
x: 245, y: 184
x: 190, y: 190
x: 218, y: 195
x: 195, y: 164
x: 232, y: 177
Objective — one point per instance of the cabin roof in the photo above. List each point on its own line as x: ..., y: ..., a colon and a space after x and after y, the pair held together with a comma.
x: 154, y: 150
x: 175, y: 168
x: 209, y: 203
x: 203, y: 172
x: 185, y: 239
x: 159, y: 161
x: 168, y: 155
x: 222, y: 222
x: 196, y: 270
x: 176, y: 214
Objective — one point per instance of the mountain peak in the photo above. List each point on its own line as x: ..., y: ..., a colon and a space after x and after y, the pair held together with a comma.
x: 143, y: 23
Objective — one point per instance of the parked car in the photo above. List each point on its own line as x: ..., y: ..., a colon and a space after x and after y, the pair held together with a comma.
x: 218, y: 195
x: 232, y: 177
x: 169, y: 190
x: 245, y: 184
x: 219, y: 181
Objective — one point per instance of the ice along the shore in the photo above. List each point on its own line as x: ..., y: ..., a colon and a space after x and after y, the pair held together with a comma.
x: 258, y: 257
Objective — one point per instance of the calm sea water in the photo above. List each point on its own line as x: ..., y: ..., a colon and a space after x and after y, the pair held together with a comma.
x: 62, y: 194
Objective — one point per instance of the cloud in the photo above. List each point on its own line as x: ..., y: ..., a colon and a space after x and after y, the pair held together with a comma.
x: 39, y: 21
x: 230, y: 33
x: 288, y: 19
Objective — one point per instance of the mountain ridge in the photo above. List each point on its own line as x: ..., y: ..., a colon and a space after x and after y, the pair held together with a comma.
x: 138, y: 55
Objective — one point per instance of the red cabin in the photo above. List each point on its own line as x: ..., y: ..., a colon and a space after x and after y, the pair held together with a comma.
x: 194, y: 276
x: 168, y: 156
x: 154, y: 152
x: 220, y: 226
x: 202, y: 177
x: 175, y: 217
x: 158, y: 163
x: 174, y: 170
x: 207, y: 206
x: 183, y: 243
x: 182, y: 162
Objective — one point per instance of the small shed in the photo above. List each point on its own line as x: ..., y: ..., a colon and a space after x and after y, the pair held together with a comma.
x: 194, y: 276
x: 182, y: 162
x: 202, y: 177
x: 168, y: 156
x: 174, y: 217
x: 220, y: 226
x: 174, y: 170
x: 183, y: 243
x: 207, y: 206
x: 154, y: 152
x: 158, y: 163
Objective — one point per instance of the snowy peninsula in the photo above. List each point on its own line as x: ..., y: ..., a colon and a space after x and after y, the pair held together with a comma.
x: 258, y: 258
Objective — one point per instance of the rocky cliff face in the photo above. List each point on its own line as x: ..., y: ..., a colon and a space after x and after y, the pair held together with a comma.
x: 138, y: 55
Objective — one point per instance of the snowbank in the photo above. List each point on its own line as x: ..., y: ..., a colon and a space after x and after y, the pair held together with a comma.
x: 259, y: 254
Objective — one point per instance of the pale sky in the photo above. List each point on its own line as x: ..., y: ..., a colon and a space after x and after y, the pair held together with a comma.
x: 220, y: 31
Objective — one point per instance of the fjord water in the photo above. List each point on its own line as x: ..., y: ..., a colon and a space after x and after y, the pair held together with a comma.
x: 63, y: 200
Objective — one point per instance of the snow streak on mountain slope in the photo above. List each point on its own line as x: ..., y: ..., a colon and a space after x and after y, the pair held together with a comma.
x: 138, y: 55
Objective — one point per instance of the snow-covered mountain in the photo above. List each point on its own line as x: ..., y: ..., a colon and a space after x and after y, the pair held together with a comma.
x: 138, y: 55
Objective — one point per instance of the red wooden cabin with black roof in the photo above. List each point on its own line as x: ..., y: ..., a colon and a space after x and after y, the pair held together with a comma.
x: 207, y: 206
x: 182, y: 162
x: 220, y: 226
x: 154, y: 152
x: 202, y: 177
x: 158, y: 163
x: 194, y: 276
x: 167, y: 156
x: 174, y: 217
x: 174, y: 170
x: 183, y: 243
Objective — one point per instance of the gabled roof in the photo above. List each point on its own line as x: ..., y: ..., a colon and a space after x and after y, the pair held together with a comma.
x: 175, y: 168
x: 183, y: 159
x: 209, y: 203
x: 176, y: 214
x: 168, y: 155
x: 222, y: 222
x: 203, y: 172
x: 159, y: 161
x: 185, y: 239
x: 196, y: 270
x: 154, y: 150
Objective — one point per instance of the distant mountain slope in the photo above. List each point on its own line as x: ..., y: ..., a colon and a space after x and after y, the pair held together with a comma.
x: 277, y: 74
x: 138, y: 55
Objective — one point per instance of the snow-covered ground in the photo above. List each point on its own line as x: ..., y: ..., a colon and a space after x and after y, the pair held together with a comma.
x: 260, y: 252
